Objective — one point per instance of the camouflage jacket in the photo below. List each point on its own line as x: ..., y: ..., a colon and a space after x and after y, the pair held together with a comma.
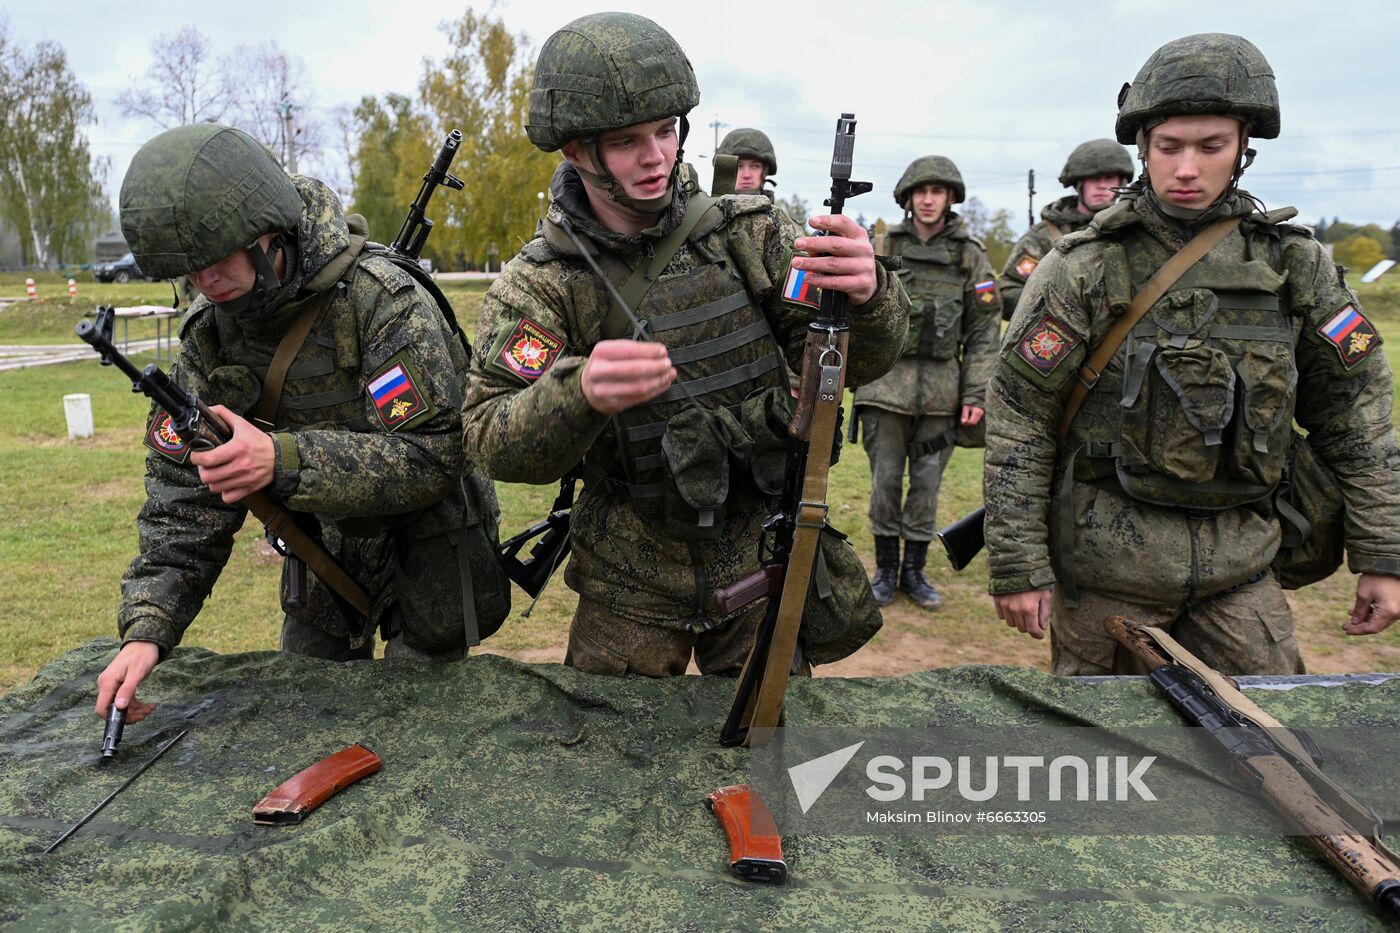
x: 1035, y: 244
x: 1312, y: 359
x: 953, y: 329
x: 527, y: 420
x: 371, y: 474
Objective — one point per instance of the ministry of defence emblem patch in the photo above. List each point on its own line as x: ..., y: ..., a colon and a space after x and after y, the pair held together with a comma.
x: 161, y: 438
x: 1046, y: 344
x: 1352, y: 335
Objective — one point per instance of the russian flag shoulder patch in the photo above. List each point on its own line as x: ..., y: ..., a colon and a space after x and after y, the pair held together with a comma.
x: 799, y: 291
x: 394, y: 390
x: 1351, y: 334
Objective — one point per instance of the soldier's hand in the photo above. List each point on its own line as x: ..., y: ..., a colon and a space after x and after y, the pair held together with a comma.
x: 121, y: 678
x: 1027, y: 612
x: 245, y: 464
x: 843, y: 260
x: 972, y: 415
x: 620, y: 374
x: 1377, y: 604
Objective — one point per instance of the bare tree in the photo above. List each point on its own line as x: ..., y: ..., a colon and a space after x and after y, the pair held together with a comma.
x: 273, y: 93
x: 184, y: 83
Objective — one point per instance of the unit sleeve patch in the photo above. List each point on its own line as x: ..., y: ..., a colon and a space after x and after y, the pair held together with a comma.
x: 161, y: 437
x: 527, y: 351
x: 1046, y: 344
x: 395, y: 389
x: 986, y: 291
x: 1353, y: 336
x: 1026, y: 265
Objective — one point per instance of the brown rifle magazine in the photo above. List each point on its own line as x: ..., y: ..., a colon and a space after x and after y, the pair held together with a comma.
x: 292, y: 800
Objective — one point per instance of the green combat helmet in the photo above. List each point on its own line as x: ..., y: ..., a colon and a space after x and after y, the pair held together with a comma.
x: 195, y: 195
x: 1094, y: 158
x: 1206, y: 73
x: 748, y: 143
x: 930, y: 170
x: 603, y: 72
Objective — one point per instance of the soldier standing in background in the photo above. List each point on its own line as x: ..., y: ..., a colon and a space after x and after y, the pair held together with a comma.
x: 1160, y: 503
x: 1094, y: 170
x: 940, y: 380
x: 672, y: 504
x: 757, y: 161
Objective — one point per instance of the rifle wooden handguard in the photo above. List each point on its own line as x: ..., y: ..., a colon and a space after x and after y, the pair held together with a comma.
x: 766, y: 581
x: 306, y: 790
x: 755, y: 848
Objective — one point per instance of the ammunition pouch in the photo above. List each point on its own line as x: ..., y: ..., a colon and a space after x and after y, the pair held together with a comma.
x: 841, y: 614
x: 1310, y: 507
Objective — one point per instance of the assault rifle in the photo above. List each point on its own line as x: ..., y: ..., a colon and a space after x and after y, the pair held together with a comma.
x: 963, y: 539
x: 1278, y: 763
x: 199, y: 427
x: 416, y: 227
x: 788, y: 546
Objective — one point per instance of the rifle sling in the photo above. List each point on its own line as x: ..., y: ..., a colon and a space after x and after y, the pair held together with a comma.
x: 1147, y: 296
x: 282, y: 359
x: 1054, y: 231
x: 1356, y: 813
x: 811, y: 519
x: 639, y: 282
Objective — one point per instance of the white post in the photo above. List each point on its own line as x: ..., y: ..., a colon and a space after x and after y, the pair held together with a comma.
x: 78, y: 409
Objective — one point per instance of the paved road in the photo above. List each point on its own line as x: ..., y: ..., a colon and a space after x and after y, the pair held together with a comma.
x: 24, y: 356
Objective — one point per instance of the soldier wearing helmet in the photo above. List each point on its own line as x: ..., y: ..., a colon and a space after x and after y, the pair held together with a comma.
x: 670, y: 431
x: 939, y: 384
x: 1095, y: 170
x: 360, y: 432
x: 757, y: 161
x: 1166, y: 497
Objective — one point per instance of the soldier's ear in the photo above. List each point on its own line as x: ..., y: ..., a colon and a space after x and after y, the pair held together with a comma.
x: 574, y: 151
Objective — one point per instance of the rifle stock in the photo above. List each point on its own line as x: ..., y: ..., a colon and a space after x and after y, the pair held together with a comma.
x: 964, y: 539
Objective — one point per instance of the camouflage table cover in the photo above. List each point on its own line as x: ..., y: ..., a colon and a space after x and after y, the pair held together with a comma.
x: 533, y: 797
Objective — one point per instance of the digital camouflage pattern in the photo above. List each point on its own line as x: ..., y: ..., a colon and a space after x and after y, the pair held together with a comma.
x: 750, y: 143
x: 389, y: 495
x: 604, y: 71
x: 953, y: 332
x: 572, y: 802
x: 196, y: 194
x: 647, y: 559
x: 1034, y: 245
x: 1206, y: 73
x: 1262, y: 331
x: 930, y: 170
x: 1097, y: 157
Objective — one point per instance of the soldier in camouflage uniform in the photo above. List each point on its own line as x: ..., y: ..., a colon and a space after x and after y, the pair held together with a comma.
x: 757, y: 160
x: 940, y: 380
x: 1094, y: 169
x: 1158, y: 504
x: 672, y: 506
x: 366, y: 434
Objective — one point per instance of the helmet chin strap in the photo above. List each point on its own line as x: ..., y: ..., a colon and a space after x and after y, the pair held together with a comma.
x: 265, y: 280
x: 641, y: 208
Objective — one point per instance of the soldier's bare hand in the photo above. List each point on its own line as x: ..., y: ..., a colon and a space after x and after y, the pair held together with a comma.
x: 971, y: 416
x: 119, y: 681
x: 1377, y: 604
x: 621, y: 374
x: 245, y: 464
x: 843, y: 261
x: 1027, y: 612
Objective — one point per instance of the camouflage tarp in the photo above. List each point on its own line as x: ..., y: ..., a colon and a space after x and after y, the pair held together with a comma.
x: 534, y: 797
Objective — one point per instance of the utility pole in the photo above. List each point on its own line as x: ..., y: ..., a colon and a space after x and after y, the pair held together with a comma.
x: 285, y: 107
x: 1030, y: 197
x: 717, y: 126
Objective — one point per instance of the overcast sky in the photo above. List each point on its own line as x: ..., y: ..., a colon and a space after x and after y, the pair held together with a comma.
x: 999, y: 87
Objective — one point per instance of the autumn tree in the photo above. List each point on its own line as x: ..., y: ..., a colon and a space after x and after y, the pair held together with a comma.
x: 482, y: 86
x: 50, y: 186
x: 271, y: 91
x: 1359, y: 252
x: 390, y: 136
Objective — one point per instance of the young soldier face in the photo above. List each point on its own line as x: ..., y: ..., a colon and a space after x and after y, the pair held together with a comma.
x: 233, y: 276
x: 640, y: 157
x: 929, y: 203
x: 1097, y: 193
x: 750, y: 176
x: 1192, y: 159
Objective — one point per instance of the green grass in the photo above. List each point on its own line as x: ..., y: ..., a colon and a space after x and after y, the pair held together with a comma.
x: 67, y: 529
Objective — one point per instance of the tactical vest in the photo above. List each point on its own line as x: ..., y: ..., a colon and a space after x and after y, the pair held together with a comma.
x: 669, y: 458
x: 934, y: 278
x: 1201, y: 415
x: 399, y: 559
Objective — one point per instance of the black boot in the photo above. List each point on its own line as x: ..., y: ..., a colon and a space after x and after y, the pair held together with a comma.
x: 886, y: 570
x: 912, y: 579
